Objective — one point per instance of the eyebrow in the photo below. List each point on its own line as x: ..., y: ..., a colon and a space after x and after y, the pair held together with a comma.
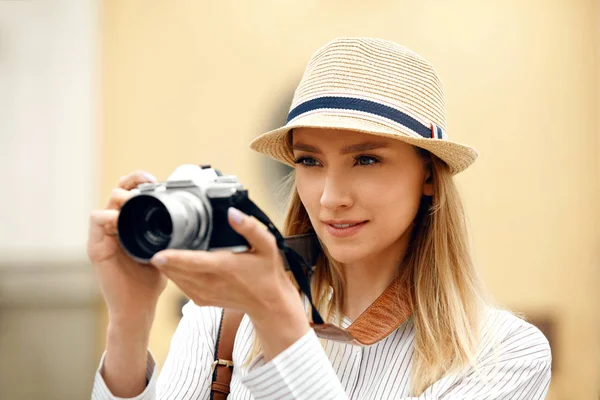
x: 354, y: 148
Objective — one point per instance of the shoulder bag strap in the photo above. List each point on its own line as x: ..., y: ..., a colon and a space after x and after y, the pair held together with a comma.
x: 222, y: 367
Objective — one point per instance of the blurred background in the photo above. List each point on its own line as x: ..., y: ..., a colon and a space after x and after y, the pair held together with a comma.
x: 91, y: 90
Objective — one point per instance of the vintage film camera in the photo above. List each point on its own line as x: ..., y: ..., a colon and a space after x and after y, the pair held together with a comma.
x: 187, y: 211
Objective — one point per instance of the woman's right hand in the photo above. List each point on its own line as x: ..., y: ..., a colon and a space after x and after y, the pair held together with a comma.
x: 130, y: 289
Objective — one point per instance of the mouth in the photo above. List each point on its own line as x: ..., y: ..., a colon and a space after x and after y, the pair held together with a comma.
x: 344, y: 228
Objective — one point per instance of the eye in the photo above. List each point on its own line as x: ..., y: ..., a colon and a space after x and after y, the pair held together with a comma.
x: 306, y: 161
x: 366, y: 160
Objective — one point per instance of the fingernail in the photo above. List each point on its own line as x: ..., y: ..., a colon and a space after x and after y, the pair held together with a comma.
x: 159, y: 260
x: 150, y: 177
x: 235, y: 215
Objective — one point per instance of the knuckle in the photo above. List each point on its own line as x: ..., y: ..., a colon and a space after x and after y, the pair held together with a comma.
x: 97, y: 214
x: 255, y: 229
x: 111, y: 227
x: 253, y: 222
x: 116, y: 193
x: 276, y: 254
x: 123, y: 182
x: 126, y: 181
x: 248, y: 226
x: 271, y: 241
x: 139, y: 174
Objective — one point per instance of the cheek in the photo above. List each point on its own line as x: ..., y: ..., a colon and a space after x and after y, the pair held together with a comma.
x: 309, y: 192
x: 394, y: 203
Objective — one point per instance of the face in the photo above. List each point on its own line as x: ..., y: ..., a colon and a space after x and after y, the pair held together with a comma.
x: 361, y: 192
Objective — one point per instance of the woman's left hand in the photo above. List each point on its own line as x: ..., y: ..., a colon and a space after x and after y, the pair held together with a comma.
x: 253, y: 282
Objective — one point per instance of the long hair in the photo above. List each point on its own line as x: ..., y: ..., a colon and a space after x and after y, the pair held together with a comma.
x: 445, y: 292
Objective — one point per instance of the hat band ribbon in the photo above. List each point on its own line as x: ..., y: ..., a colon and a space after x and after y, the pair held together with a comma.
x: 371, y: 107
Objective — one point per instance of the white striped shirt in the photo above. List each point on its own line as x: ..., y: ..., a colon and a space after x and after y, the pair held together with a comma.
x: 513, y: 363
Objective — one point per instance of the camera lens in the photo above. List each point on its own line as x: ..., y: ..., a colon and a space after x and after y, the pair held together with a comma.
x: 152, y: 223
x: 144, y: 226
x: 158, y: 226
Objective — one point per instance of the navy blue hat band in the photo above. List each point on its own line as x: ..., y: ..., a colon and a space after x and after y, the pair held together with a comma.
x: 367, y: 106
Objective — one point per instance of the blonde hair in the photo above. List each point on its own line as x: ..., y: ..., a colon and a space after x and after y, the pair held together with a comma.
x: 445, y: 292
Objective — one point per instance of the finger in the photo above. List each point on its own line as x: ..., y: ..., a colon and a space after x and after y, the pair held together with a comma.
x: 103, y: 217
x: 185, y: 260
x: 107, y: 219
x: 175, y: 276
x: 206, y: 289
x: 189, y: 288
x: 135, y: 178
x: 117, y: 198
x: 260, y: 239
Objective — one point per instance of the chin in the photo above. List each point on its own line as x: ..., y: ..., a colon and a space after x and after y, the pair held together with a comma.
x: 346, y: 253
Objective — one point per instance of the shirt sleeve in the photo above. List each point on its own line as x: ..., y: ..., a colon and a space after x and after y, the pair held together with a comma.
x: 102, y: 392
x: 302, y: 371
x: 187, y: 369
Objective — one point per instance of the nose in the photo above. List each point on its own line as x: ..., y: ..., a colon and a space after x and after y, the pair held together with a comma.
x: 336, y: 192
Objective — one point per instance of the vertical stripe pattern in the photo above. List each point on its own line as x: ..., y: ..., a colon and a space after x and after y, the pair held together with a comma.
x: 513, y: 363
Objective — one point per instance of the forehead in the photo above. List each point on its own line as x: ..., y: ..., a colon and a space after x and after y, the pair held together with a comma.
x: 302, y: 138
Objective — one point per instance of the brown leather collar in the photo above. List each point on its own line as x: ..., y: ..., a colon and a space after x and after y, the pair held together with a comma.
x: 378, y: 321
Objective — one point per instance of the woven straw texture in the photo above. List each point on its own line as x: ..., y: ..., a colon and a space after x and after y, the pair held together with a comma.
x: 377, y: 71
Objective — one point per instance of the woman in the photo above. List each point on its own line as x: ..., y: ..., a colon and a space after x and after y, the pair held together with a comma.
x: 373, y: 170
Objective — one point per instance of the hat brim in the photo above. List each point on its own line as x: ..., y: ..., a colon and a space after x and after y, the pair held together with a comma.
x: 274, y: 143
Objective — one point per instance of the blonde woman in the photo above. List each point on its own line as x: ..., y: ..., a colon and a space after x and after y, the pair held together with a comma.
x: 373, y: 179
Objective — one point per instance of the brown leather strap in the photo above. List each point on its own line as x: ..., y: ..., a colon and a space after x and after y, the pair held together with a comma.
x: 223, y: 364
x: 384, y: 316
x: 378, y: 321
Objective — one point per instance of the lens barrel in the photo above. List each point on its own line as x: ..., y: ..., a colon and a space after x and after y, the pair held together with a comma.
x: 149, y: 223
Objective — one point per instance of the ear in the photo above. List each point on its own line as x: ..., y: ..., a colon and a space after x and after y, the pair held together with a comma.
x: 428, y: 182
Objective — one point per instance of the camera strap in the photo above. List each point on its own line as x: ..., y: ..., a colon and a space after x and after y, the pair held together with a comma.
x: 390, y: 310
x: 300, y: 269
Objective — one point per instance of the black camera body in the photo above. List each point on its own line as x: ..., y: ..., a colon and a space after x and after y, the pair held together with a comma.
x: 187, y: 211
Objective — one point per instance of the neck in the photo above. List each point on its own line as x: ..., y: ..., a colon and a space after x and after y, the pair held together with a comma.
x: 368, y: 278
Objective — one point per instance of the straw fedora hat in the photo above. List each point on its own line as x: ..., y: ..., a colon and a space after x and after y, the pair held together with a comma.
x: 373, y: 86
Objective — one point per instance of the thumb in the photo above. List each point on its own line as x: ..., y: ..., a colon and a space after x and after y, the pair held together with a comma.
x: 259, y: 238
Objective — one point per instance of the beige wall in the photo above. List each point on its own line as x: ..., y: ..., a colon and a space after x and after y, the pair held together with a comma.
x: 196, y: 81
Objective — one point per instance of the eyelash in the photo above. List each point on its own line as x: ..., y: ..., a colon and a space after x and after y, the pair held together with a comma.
x: 375, y: 160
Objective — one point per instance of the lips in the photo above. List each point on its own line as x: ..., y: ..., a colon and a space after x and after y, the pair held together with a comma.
x: 343, y: 228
